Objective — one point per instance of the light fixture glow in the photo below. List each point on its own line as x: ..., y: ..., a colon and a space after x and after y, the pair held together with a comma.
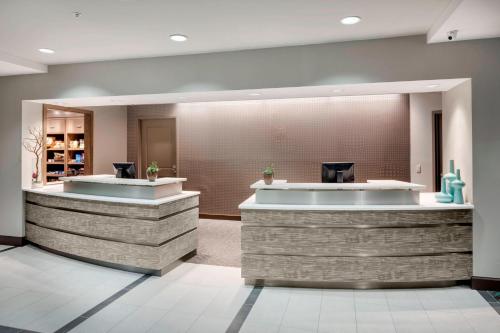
x: 254, y: 94
x: 47, y: 51
x: 433, y: 86
x: 350, y: 20
x: 178, y: 38
x: 337, y: 90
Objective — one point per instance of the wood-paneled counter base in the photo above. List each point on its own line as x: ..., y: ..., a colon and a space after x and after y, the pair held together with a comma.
x: 357, y: 249
x: 139, y: 235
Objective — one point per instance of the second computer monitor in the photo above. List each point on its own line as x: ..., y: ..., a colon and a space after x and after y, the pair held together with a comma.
x: 337, y: 172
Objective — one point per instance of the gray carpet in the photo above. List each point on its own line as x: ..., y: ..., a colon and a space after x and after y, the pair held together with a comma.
x: 218, y: 243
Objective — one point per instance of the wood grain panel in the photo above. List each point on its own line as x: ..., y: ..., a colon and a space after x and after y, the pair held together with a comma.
x: 141, y: 256
x: 113, y: 228
x: 112, y: 208
x: 355, y: 242
x: 357, y: 269
x: 354, y: 217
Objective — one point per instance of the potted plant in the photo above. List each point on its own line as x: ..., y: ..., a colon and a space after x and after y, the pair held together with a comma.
x: 152, y: 171
x: 34, y: 144
x: 268, y: 174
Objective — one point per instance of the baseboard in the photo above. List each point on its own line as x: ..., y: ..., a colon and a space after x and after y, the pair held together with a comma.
x: 12, y: 240
x: 485, y: 283
x: 220, y: 217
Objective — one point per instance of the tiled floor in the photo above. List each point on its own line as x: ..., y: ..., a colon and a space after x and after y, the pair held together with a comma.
x: 43, y: 292
x: 4, y: 247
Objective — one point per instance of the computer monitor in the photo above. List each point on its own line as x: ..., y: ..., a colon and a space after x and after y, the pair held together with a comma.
x: 337, y: 172
x: 124, y: 169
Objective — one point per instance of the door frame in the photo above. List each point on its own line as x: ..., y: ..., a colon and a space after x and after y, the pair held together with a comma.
x: 139, y: 142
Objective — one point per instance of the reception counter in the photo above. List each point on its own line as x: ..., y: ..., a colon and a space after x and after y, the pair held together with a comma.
x: 123, y: 227
x: 375, y: 234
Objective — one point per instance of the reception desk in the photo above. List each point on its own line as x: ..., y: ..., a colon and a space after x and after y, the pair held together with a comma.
x: 366, y: 235
x: 129, y: 224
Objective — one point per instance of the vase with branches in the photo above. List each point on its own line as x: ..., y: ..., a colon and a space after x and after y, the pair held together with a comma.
x: 33, y: 143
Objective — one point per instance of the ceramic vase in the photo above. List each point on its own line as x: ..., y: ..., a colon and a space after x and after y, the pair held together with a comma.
x: 450, y: 177
x: 443, y: 196
x: 458, y: 185
x: 268, y: 179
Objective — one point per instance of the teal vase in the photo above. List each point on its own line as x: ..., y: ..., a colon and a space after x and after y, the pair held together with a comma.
x: 458, y: 185
x: 450, y: 177
x: 443, y: 196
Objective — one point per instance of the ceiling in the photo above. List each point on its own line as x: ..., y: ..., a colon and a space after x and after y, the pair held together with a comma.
x: 123, y: 29
x: 401, y: 87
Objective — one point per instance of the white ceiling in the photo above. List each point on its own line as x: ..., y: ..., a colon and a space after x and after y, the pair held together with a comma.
x: 119, y: 29
x: 401, y: 87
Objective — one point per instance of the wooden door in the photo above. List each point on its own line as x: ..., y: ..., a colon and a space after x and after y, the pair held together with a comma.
x: 158, y: 143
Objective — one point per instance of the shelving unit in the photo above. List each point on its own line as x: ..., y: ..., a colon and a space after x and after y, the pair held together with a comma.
x: 68, y: 138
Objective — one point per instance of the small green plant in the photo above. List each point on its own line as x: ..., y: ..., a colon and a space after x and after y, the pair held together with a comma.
x: 153, y: 168
x: 269, y: 170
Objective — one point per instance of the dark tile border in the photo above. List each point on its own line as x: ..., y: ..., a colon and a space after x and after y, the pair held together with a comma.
x: 4, y: 250
x: 7, y: 329
x: 244, y: 311
x: 77, y: 321
x: 492, y: 297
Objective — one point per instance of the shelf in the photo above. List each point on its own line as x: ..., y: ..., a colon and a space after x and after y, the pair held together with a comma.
x: 55, y: 149
x: 75, y: 163
x: 55, y: 176
x: 76, y: 149
x: 55, y: 163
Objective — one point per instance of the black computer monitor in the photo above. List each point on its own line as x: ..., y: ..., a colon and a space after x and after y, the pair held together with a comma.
x: 124, y: 169
x: 337, y: 172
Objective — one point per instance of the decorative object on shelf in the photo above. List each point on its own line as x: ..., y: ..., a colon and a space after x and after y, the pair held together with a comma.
x: 58, y: 145
x: 75, y: 144
x: 450, y: 177
x: 78, y: 158
x: 50, y: 142
x: 268, y: 174
x: 458, y: 184
x: 82, y: 144
x: 443, y: 196
x: 58, y: 157
x: 152, y: 171
x: 34, y: 144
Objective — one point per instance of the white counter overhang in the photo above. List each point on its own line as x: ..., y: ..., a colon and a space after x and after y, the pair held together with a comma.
x: 426, y: 202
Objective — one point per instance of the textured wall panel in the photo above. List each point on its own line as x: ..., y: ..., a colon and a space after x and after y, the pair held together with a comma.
x: 223, y: 146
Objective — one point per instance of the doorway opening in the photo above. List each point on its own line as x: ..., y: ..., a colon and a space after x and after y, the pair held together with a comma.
x: 437, y: 138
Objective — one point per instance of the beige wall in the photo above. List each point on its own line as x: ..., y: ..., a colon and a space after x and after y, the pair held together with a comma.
x: 110, y: 137
x: 421, y: 140
x: 457, y: 132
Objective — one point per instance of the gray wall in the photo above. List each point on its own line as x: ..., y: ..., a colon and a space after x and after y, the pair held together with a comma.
x: 396, y: 59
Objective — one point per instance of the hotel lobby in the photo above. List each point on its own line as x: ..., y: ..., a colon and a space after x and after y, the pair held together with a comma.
x: 285, y: 167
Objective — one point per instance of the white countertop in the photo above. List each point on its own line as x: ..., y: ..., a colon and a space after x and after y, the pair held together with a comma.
x: 427, y: 202
x: 112, y: 180
x: 57, y: 190
x: 369, y: 185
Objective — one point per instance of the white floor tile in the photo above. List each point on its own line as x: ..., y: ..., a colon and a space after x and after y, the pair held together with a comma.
x: 303, y: 311
x: 174, y: 322
x: 139, y: 321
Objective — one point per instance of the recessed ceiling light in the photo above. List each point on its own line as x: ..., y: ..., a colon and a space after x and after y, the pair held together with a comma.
x: 433, y: 86
x: 337, y: 90
x: 254, y: 94
x: 178, y: 38
x: 47, y: 51
x: 348, y: 20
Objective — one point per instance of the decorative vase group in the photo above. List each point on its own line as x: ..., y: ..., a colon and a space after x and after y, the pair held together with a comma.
x: 451, y: 186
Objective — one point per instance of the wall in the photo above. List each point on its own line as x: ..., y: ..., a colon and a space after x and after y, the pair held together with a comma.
x: 382, y: 60
x: 457, y: 133
x: 32, y: 117
x: 223, y: 146
x: 422, y: 107
x: 110, y: 137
